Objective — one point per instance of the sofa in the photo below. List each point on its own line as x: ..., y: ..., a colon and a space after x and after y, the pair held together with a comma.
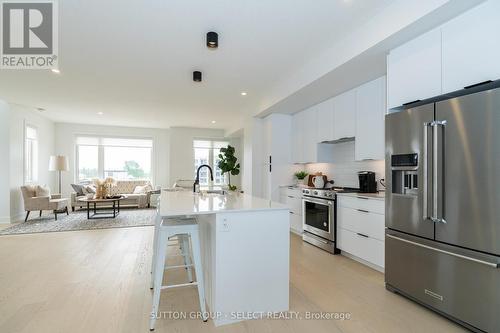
x: 127, y: 188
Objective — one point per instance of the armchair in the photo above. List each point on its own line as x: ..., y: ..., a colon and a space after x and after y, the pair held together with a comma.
x: 33, y: 203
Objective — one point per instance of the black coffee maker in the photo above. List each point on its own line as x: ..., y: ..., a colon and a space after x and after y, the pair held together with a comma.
x: 367, y: 182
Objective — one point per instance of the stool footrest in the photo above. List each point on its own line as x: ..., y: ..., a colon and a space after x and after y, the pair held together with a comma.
x: 179, y: 285
x: 178, y: 266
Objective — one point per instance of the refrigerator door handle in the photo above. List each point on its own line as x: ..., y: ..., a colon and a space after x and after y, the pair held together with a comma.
x: 479, y: 261
x: 425, y: 171
x: 437, y: 125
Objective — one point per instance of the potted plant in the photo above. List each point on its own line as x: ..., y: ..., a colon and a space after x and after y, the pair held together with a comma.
x: 300, y: 175
x: 228, y: 164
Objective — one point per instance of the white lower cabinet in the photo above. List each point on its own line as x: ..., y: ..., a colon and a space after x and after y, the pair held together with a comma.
x: 296, y: 223
x: 361, y: 228
x: 366, y: 248
x: 292, y: 197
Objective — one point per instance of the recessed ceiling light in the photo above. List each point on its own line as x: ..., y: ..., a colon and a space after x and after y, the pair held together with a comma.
x: 197, y: 76
x: 100, y: 113
x: 212, y: 40
x: 213, y: 121
x: 243, y: 93
x: 55, y: 70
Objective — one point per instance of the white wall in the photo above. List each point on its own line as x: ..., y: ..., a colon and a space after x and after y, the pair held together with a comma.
x: 4, y: 167
x: 19, y: 117
x: 246, y: 174
x: 181, y: 147
x: 65, y: 145
x: 344, y: 169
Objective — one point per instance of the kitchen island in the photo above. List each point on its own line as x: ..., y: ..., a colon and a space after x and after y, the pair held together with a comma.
x: 245, y: 245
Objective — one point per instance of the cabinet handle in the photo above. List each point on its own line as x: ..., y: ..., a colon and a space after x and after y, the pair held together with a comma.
x: 412, y: 102
x: 479, y: 261
x: 362, y: 235
x: 478, y: 84
x: 363, y: 198
x: 290, y: 196
x: 363, y: 211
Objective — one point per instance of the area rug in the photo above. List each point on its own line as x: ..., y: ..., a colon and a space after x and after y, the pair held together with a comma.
x: 78, y: 221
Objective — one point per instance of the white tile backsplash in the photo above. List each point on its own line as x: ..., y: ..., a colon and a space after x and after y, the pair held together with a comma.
x: 344, y: 169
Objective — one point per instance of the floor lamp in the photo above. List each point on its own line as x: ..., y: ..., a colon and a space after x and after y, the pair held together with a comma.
x: 58, y: 163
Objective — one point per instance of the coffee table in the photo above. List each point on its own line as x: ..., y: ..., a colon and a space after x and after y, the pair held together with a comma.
x: 105, y: 213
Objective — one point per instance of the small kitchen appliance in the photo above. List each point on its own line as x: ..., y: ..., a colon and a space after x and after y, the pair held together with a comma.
x: 367, y: 182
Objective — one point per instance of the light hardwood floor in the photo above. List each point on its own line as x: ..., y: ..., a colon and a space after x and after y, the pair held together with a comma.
x: 98, y: 281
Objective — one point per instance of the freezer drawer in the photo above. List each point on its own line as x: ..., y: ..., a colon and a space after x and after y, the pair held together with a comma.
x: 459, y: 283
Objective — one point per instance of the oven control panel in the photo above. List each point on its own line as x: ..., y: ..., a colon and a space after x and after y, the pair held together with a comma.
x: 326, y: 194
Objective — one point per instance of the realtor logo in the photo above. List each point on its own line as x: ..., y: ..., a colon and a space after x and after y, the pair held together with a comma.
x: 29, y: 34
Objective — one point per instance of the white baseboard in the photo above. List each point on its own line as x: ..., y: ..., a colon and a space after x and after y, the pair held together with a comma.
x: 364, y: 262
x: 5, y: 220
x: 297, y: 232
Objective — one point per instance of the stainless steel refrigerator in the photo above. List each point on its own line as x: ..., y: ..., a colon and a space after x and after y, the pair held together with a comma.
x: 442, y: 245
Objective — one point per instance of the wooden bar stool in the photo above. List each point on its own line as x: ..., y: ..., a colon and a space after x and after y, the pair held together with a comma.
x: 185, y: 229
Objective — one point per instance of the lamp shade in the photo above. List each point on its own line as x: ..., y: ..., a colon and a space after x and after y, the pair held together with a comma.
x: 58, y: 163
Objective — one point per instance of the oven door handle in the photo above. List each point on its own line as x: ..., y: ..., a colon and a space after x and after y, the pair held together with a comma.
x: 319, y: 201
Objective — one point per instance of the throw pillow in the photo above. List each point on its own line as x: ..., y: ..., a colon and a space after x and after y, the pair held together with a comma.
x: 89, y: 189
x: 42, y: 191
x: 140, y: 189
x: 78, y: 189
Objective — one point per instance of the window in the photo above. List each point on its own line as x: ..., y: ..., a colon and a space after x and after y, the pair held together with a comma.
x: 207, y: 152
x: 30, y: 154
x: 120, y: 158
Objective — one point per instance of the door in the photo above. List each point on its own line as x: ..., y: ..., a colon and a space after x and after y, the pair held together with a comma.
x: 344, y: 122
x: 297, y: 138
x: 406, y: 157
x: 370, y: 111
x: 325, y: 121
x: 468, y: 177
x: 458, y: 282
x: 310, y: 137
x: 318, y: 217
x: 414, y: 70
x: 470, y: 47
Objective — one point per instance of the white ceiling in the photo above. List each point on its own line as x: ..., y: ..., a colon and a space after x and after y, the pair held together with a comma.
x: 132, y: 60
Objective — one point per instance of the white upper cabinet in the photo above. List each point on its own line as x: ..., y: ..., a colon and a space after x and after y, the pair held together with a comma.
x: 305, y: 146
x: 344, y: 122
x: 414, y: 70
x: 471, y: 47
x: 325, y: 121
x: 370, y: 112
x: 310, y: 136
x: 297, y: 138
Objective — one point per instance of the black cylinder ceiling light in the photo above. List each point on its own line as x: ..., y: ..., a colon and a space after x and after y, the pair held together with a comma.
x: 197, y: 76
x: 212, y: 40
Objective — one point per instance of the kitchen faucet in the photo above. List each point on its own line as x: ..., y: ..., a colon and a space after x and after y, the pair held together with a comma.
x: 197, y: 181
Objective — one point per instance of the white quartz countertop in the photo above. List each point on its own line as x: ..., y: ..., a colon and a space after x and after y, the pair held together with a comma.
x: 378, y: 195
x: 189, y: 203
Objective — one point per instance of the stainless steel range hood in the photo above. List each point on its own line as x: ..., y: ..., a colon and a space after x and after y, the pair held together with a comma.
x: 341, y: 140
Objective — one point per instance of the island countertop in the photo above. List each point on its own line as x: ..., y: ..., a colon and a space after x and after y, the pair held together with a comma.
x: 178, y: 203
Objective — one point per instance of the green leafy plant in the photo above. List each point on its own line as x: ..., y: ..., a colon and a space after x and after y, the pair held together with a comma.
x: 228, y: 164
x: 300, y: 175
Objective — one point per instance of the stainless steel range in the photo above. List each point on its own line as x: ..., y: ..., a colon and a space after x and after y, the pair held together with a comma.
x: 319, y: 217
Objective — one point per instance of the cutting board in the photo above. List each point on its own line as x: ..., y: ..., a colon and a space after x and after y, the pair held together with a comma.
x: 310, y: 182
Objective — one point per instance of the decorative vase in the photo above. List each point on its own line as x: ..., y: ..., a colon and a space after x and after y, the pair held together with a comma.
x: 101, y: 191
x: 301, y: 182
